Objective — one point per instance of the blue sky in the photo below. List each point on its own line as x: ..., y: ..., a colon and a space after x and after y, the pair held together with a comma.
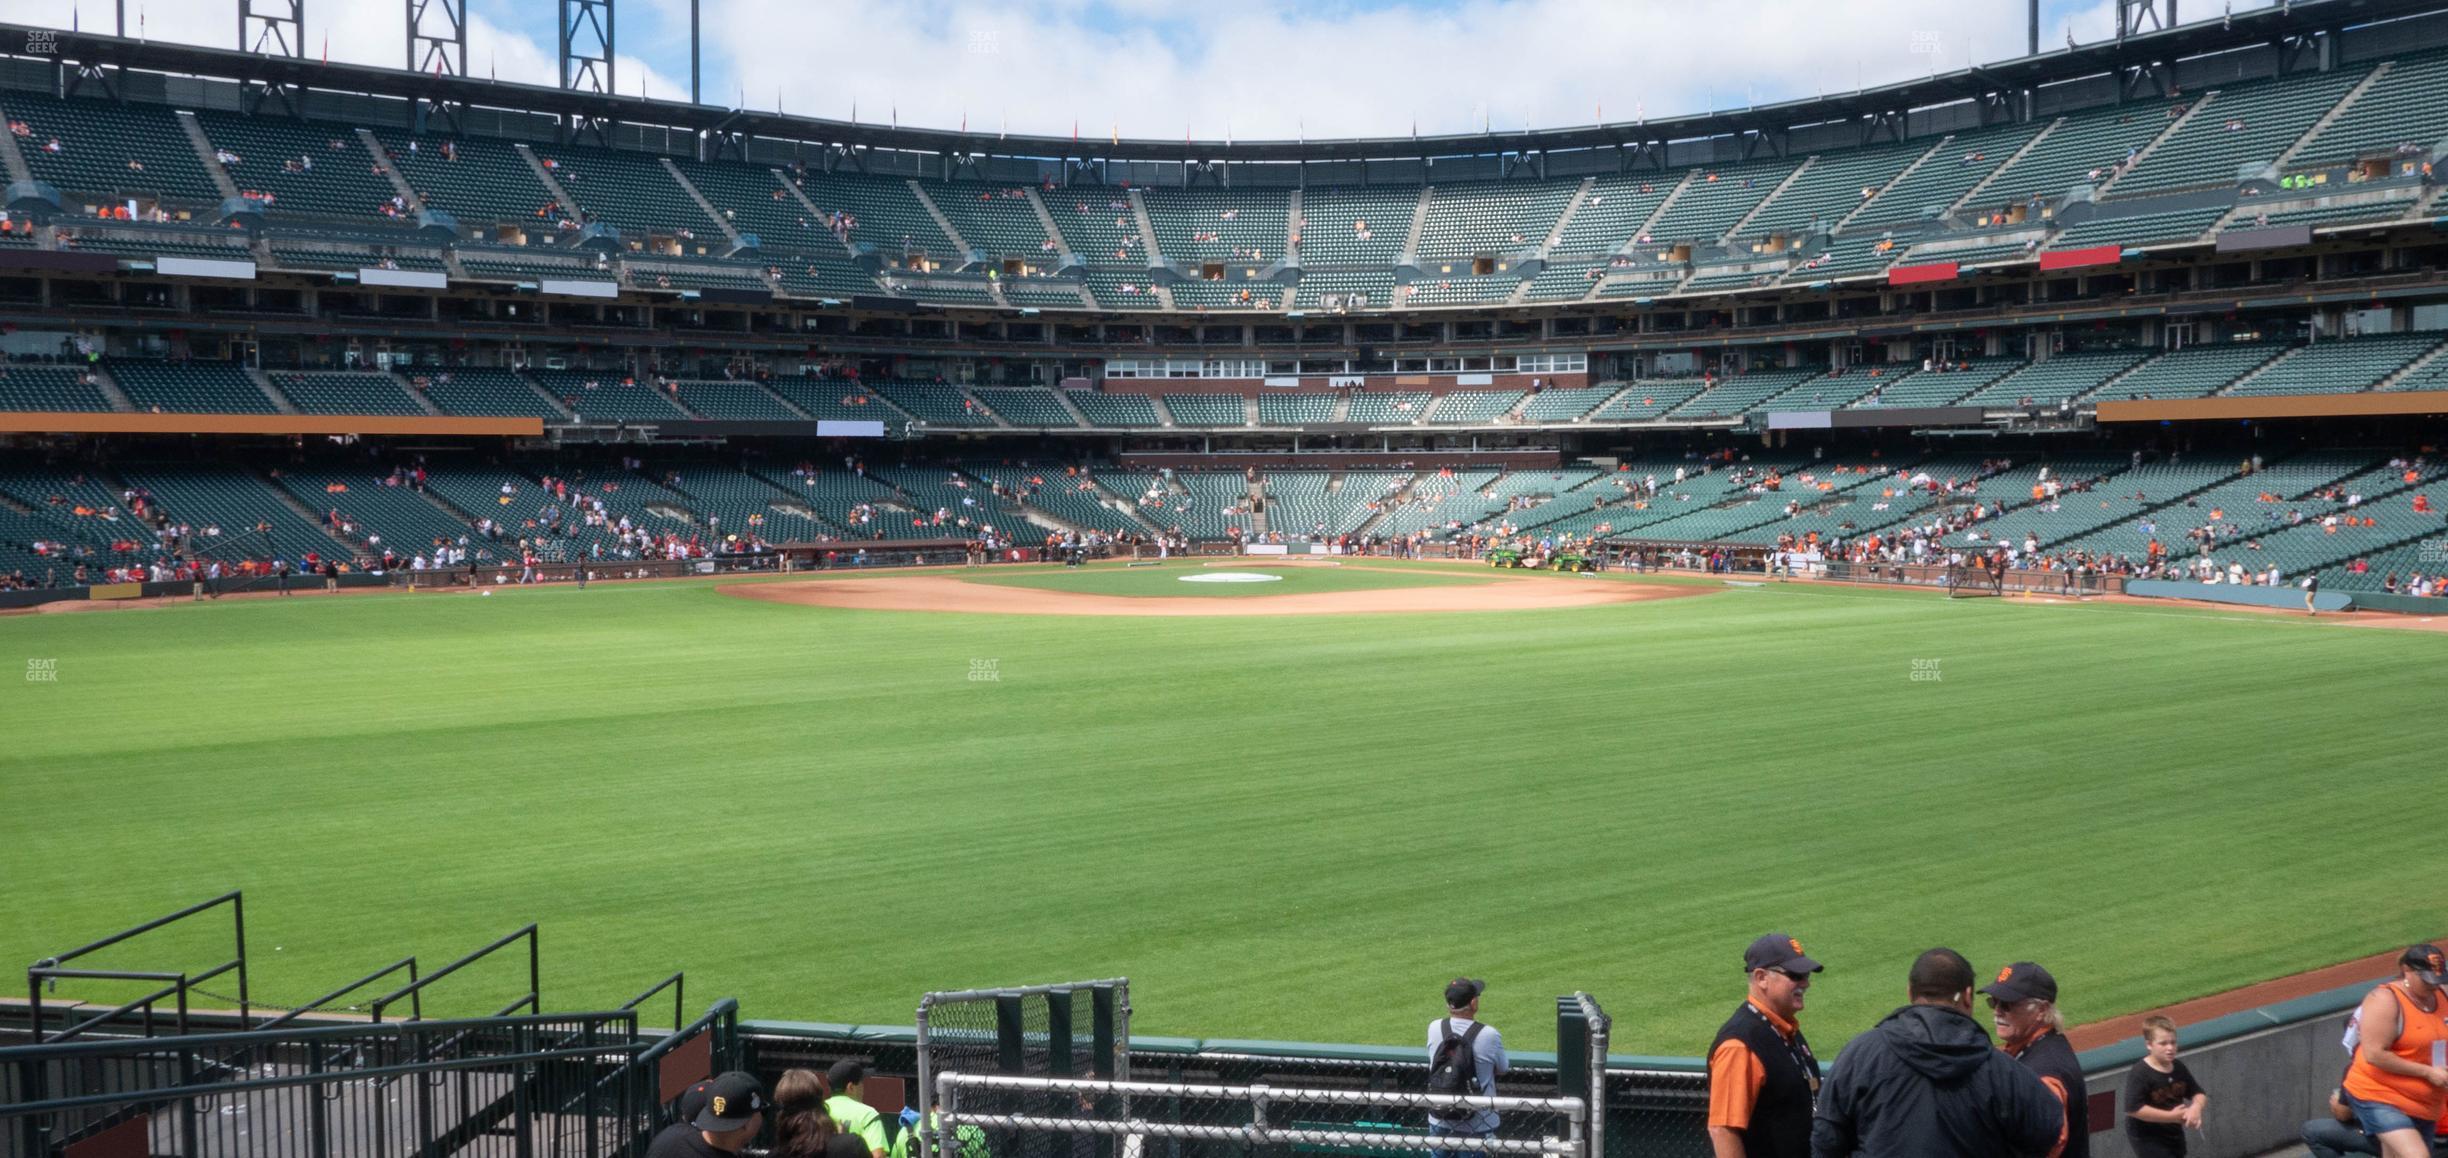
x: 1250, y: 69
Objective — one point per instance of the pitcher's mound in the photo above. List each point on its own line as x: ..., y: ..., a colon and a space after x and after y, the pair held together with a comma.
x: 945, y: 593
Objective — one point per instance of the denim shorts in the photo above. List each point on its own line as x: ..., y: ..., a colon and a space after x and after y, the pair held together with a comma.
x: 2379, y: 1118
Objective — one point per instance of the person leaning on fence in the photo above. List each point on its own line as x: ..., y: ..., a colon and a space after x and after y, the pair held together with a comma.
x: 803, y: 1127
x: 1451, y: 1038
x: 855, y: 1116
x: 731, y: 1112
x: 1925, y: 1083
x: 2023, y: 1008
x: 1761, y: 1073
x: 2394, y: 1087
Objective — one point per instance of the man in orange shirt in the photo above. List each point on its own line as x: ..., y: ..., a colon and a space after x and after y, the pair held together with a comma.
x: 1763, y: 1079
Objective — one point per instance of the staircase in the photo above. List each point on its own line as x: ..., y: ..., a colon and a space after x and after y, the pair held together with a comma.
x: 1249, y: 410
x: 567, y: 414
x: 2409, y: 369
x: 12, y: 162
x: 1341, y: 413
x: 1547, y: 244
x: 382, y: 162
x: 1419, y: 222
x: 108, y: 385
x: 1258, y: 506
x: 2255, y: 372
x: 1077, y: 415
x: 313, y: 517
x: 1292, y: 228
x: 943, y: 223
x: 2093, y: 393
x: 1770, y: 199
x: 423, y: 403
x: 2165, y: 135
x: 1164, y: 413
x: 1147, y: 234
x: 1892, y: 182
x: 1972, y: 194
x: 204, y: 154
x: 1053, y: 231
x: 280, y: 401
x: 569, y: 205
x: 1642, y: 230
x: 784, y: 403
x: 2335, y: 111
x: 703, y: 205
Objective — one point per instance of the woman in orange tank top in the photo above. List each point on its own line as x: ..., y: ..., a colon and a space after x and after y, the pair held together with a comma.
x: 2399, y: 1078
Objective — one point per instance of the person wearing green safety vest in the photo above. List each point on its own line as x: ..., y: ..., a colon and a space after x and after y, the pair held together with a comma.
x: 970, y: 1139
x: 848, y: 1108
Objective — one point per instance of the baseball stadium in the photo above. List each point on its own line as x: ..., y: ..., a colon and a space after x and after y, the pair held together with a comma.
x: 537, y: 600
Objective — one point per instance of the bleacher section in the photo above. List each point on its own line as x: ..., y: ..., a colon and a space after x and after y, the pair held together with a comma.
x: 1609, y: 217
x: 1960, y: 163
x: 190, y: 387
x: 51, y: 388
x: 934, y: 403
x: 307, y: 167
x: 1213, y: 505
x: 1206, y: 409
x: 1473, y: 407
x: 2242, y: 123
x: 1388, y: 408
x: 1027, y: 407
x: 109, y: 151
x: 477, y: 181
x: 481, y: 393
x: 238, y: 503
x: 1733, y: 396
x: 1648, y: 400
x: 1491, y: 219
x: 2340, y: 366
x: 1941, y: 385
x: 996, y: 219
x: 1073, y: 499
x: 1716, y: 199
x: 2095, y: 139
x: 394, y: 517
x: 1104, y: 409
x: 813, y: 262
x: 630, y: 191
x: 2193, y: 372
x: 1566, y: 405
x: 345, y: 393
x: 2046, y: 383
x: 1348, y: 226
x: 2140, y: 228
x: 888, y: 217
x: 737, y: 503
x: 2406, y: 107
x: 736, y: 401
x: 1831, y: 187
x: 607, y: 396
x: 834, y: 398
x: 1203, y: 225
x: 1291, y: 409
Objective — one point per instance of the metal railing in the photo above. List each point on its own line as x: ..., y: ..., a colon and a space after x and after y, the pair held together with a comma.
x: 180, y: 985
x: 1261, y: 1121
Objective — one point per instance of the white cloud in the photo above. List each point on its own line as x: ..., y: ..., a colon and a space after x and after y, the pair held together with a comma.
x: 1253, y: 68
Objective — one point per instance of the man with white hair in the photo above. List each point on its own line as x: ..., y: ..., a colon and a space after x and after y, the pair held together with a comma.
x: 2023, y: 1009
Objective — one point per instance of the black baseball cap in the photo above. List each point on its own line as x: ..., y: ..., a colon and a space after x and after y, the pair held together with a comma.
x: 1779, y: 951
x: 732, y: 1100
x: 2022, y: 981
x: 2427, y: 958
x: 1462, y: 991
x: 693, y: 1099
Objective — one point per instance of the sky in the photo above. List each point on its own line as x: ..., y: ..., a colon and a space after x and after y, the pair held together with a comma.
x: 1240, y: 69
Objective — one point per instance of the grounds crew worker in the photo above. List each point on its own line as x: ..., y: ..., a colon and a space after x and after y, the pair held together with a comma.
x: 853, y: 1115
x: 1761, y: 1074
x: 1925, y: 1082
x: 2023, y: 1008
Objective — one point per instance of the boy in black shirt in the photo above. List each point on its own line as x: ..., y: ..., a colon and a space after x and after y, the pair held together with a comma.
x: 2162, y: 1100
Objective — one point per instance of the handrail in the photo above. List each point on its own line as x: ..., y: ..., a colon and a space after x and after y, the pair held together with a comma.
x: 309, y: 1035
x: 673, y: 983
x: 409, y: 962
x: 49, y: 970
x: 414, y: 990
x: 284, y: 1081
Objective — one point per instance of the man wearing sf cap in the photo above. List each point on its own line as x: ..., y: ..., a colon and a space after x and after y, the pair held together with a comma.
x: 731, y: 1112
x: 1762, y: 1076
x: 2400, y: 1066
x: 2023, y: 1008
x: 1488, y: 1060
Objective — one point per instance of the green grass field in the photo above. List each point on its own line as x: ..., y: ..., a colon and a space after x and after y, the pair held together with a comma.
x: 1294, y: 828
x: 1167, y: 581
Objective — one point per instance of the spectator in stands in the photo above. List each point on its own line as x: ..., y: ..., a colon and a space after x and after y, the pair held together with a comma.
x: 802, y: 1126
x: 856, y: 1118
x: 1925, y: 1083
x: 2162, y: 1099
x: 1762, y: 1075
x: 733, y: 1112
x: 2394, y: 1084
x: 1488, y: 1059
x: 2023, y: 1008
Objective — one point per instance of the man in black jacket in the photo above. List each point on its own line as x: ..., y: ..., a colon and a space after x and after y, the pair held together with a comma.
x: 1925, y: 1083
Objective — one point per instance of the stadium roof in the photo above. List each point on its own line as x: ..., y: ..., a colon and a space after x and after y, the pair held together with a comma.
x: 2295, y: 21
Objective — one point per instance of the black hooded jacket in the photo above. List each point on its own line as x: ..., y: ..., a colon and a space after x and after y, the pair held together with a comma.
x: 1926, y: 1083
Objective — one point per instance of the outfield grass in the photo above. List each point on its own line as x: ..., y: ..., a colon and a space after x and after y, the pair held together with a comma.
x: 1169, y: 581
x: 1287, y: 828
